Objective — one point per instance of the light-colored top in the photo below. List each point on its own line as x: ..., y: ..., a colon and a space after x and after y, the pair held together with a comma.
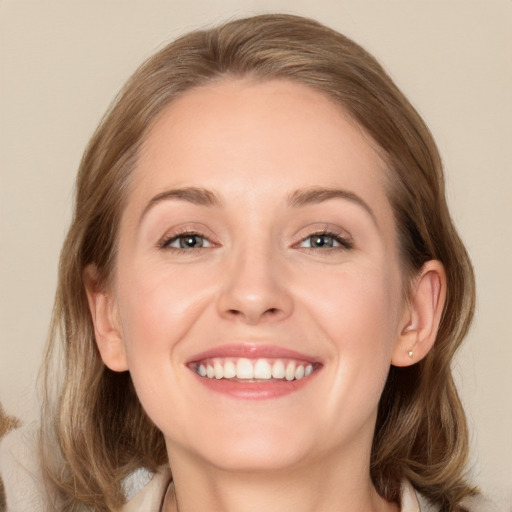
x: 150, y: 498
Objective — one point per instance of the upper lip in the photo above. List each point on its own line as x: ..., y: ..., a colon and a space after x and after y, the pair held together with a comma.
x: 253, y: 351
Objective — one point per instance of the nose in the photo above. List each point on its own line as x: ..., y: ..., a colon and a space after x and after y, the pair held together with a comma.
x: 255, y: 289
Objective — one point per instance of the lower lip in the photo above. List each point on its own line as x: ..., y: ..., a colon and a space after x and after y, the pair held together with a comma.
x: 255, y: 390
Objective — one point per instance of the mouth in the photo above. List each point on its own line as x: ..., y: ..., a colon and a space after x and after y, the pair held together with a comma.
x: 244, y: 369
x: 254, y: 372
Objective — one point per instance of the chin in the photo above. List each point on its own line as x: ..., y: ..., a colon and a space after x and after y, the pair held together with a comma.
x: 256, y: 456
x: 251, y: 448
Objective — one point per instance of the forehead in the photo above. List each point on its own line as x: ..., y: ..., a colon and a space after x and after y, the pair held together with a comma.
x: 255, y: 144
x: 292, y: 129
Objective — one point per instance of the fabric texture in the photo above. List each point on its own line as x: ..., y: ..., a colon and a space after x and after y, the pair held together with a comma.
x: 150, y: 498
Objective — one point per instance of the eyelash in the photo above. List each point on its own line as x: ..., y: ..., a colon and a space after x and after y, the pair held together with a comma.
x: 344, y: 243
x: 167, y: 241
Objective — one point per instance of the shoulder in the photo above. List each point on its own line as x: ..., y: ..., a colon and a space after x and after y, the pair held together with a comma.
x: 150, y: 497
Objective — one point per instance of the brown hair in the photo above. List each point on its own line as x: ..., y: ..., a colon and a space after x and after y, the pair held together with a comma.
x: 96, y: 433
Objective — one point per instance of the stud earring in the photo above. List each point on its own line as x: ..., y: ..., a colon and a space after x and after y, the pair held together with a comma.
x: 410, y: 353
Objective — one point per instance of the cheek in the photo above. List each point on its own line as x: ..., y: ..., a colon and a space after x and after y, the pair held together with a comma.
x: 356, y: 304
x: 157, y: 306
x: 357, y: 313
x: 157, y: 310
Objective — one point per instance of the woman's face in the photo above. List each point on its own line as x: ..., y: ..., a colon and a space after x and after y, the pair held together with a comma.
x: 258, y: 246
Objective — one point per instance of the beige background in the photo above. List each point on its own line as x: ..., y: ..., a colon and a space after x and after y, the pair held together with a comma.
x: 61, y: 63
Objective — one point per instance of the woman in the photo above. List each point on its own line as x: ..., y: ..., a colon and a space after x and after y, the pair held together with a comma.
x: 262, y: 290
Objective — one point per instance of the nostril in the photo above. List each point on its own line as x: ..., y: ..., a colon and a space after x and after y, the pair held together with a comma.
x: 270, y: 312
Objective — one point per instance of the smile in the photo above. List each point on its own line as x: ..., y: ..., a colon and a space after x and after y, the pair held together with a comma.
x: 254, y: 371
x: 245, y: 369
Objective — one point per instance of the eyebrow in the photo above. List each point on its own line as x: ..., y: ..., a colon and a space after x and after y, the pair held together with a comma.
x: 316, y: 195
x: 298, y: 198
x: 194, y: 195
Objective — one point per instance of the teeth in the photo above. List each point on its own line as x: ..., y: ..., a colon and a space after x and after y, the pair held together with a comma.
x: 278, y: 370
x: 229, y: 370
x: 218, y: 369
x: 260, y: 369
x: 290, y: 371
x: 299, y: 372
x: 244, y: 369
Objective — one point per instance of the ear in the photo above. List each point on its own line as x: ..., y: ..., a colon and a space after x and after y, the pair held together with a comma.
x: 420, y: 322
x: 107, y: 326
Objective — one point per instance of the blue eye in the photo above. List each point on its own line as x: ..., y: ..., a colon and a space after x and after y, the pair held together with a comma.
x: 187, y: 241
x: 325, y: 241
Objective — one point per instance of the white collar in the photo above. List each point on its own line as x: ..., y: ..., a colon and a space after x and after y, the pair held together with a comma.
x: 408, y: 498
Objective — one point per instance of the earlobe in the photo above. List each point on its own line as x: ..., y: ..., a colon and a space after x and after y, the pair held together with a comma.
x: 420, y: 323
x: 107, y: 328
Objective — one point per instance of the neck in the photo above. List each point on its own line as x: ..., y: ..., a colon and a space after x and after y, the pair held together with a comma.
x: 325, y: 487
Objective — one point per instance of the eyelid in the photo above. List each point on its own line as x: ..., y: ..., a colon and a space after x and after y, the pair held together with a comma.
x: 169, y: 243
x: 196, y: 229
x: 338, y: 242
x: 343, y: 236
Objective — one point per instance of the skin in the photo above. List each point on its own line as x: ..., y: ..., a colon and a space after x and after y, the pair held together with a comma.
x: 258, y: 280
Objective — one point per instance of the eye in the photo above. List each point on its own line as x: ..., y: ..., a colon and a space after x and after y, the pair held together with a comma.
x: 325, y: 241
x: 186, y: 241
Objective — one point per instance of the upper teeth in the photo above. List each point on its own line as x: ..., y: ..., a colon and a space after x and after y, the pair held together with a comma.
x: 261, y: 369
